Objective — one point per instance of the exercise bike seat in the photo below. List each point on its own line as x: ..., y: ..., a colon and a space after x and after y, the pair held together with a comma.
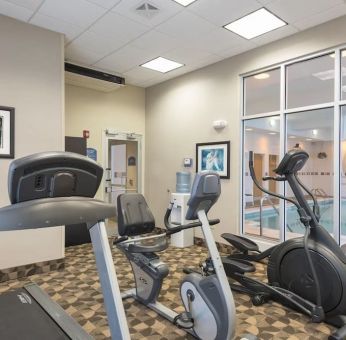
x: 241, y: 243
x: 237, y: 266
x: 149, y: 248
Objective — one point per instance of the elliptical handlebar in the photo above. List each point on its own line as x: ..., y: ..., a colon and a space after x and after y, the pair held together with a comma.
x: 259, y: 186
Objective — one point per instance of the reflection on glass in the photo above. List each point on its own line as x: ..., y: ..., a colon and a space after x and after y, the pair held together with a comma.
x: 261, y: 212
x: 310, y: 82
x: 313, y: 131
x: 343, y: 177
x: 262, y: 92
x: 343, y: 73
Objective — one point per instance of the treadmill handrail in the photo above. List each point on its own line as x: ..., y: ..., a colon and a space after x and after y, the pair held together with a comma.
x: 52, y: 212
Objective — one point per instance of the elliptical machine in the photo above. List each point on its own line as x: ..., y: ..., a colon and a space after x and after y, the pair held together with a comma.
x: 208, y: 301
x: 312, y: 267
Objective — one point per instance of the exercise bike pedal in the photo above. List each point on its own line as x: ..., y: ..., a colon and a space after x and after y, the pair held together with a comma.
x: 184, y: 320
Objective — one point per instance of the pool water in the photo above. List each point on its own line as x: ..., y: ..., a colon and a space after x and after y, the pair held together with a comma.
x: 270, y: 219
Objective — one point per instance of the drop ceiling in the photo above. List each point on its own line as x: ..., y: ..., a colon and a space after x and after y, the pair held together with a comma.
x: 111, y: 35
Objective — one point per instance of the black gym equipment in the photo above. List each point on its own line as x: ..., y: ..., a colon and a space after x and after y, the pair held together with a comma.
x: 55, y: 189
x: 306, y: 273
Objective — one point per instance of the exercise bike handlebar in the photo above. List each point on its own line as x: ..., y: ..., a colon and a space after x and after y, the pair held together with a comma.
x: 172, y: 229
x: 178, y: 228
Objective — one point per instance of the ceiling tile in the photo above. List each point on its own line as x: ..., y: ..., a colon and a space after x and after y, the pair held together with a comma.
x: 166, y: 9
x: 105, y: 3
x: 187, y: 56
x: 156, y: 42
x: 241, y: 48
x: 79, y: 12
x: 222, y: 12
x: 29, y: 4
x: 70, y: 30
x: 294, y: 10
x: 264, y: 2
x: 186, y: 26
x: 96, y: 43
x: 125, y: 59
x: 117, y: 27
x: 321, y: 17
x: 216, y: 41
x: 274, y: 35
x: 14, y: 11
x: 140, y: 74
x: 81, y: 56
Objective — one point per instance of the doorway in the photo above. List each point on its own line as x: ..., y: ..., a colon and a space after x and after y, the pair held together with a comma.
x: 258, y: 165
x: 273, y: 162
x: 123, y: 163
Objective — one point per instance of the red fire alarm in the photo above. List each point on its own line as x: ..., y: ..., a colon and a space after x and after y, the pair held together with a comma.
x: 86, y: 134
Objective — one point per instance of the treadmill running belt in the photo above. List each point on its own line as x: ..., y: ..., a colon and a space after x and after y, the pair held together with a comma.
x: 22, y: 318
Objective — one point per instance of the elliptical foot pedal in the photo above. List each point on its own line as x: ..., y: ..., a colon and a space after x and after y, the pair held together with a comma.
x: 184, y: 320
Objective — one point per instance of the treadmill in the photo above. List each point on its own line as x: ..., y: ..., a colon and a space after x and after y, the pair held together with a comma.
x: 55, y: 189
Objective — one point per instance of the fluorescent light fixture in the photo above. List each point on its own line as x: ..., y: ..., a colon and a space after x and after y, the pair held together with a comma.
x: 262, y: 76
x: 248, y: 129
x: 255, y: 24
x: 308, y: 139
x: 185, y: 2
x: 292, y: 137
x: 162, y: 65
x: 272, y: 133
x: 314, y: 132
x: 343, y: 54
x: 327, y: 75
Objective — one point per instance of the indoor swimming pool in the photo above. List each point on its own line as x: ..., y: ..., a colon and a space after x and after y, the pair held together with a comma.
x: 270, y: 218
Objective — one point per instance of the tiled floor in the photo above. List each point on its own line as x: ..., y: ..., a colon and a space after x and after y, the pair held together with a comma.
x: 77, y: 290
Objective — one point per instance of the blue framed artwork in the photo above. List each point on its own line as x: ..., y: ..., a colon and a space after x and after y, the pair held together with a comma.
x: 214, y: 156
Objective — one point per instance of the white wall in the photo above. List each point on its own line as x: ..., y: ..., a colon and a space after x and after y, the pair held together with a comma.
x: 180, y: 113
x: 121, y: 110
x: 31, y: 81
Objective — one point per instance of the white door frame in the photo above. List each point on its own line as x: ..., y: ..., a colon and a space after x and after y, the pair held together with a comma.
x: 113, y: 134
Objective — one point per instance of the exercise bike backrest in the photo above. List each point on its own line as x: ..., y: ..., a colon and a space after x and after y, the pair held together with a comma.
x: 206, y: 190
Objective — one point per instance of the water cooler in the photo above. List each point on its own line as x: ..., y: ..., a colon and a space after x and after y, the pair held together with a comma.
x: 185, y: 237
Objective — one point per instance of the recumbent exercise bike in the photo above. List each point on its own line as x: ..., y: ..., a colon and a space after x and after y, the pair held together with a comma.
x: 208, y: 301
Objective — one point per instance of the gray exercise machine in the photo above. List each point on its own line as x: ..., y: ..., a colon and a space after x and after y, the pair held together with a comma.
x: 54, y: 189
x: 208, y: 300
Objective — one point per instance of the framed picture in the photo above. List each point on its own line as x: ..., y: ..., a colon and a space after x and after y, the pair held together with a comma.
x: 213, y: 156
x: 6, y: 132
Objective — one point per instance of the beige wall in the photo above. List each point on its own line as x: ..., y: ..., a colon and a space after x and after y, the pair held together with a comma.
x: 31, y: 81
x: 180, y: 112
x: 121, y: 110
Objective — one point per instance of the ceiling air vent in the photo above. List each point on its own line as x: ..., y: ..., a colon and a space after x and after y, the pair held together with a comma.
x: 147, y: 10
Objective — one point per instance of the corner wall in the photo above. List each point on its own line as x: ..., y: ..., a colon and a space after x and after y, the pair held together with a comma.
x: 180, y: 112
x: 31, y: 81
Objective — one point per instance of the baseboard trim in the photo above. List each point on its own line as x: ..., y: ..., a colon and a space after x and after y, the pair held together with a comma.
x: 19, y: 272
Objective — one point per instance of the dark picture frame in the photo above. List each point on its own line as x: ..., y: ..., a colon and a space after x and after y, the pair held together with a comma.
x: 7, y: 132
x: 214, y: 156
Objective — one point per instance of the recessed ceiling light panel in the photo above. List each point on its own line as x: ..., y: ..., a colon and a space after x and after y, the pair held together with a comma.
x: 185, y: 2
x: 162, y: 65
x: 255, y: 24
